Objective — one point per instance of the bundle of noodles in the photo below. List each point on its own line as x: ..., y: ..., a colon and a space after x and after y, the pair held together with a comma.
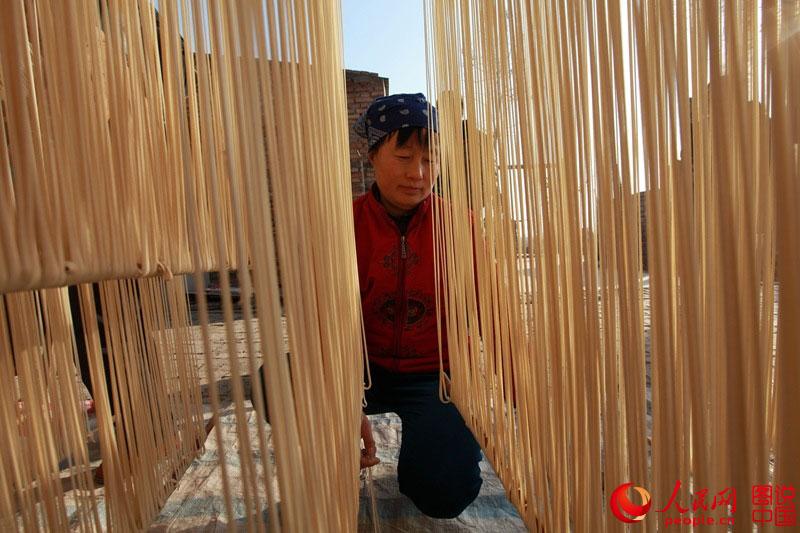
x: 576, y: 368
x: 139, y: 145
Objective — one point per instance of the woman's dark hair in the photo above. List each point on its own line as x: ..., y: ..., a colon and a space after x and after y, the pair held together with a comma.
x: 403, y: 135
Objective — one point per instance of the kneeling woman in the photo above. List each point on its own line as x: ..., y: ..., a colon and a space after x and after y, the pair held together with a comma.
x: 438, y: 464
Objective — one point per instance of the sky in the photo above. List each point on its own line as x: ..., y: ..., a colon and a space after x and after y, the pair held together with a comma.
x: 386, y: 37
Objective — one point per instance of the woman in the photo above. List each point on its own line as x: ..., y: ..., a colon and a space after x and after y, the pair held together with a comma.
x: 438, y: 464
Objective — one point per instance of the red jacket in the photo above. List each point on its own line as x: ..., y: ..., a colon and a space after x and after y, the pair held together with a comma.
x: 398, y: 295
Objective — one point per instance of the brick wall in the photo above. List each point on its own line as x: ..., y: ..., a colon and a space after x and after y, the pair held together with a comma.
x: 362, y: 88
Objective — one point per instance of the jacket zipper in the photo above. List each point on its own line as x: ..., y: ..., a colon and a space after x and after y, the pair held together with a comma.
x: 400, y: 317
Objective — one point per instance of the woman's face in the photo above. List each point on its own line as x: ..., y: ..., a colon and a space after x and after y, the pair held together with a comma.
x: 404, y: 174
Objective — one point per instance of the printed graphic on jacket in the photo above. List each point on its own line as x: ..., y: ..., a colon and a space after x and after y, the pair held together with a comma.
x: 418, y: 305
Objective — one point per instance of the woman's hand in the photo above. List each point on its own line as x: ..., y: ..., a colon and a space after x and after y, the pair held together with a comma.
x: 368, y: 457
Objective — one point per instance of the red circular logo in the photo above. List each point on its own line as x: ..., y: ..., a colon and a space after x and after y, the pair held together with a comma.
x: 624, y: 509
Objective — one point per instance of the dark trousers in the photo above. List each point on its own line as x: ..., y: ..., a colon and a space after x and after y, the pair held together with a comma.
x: 438, y: 465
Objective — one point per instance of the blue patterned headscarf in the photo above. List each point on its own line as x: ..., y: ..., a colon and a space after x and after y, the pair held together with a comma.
x: 389, y: 113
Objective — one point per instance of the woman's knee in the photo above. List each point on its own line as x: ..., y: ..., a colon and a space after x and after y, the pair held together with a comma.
x: 439, y: 462
x: 443, y: 486
x: 444, y: 497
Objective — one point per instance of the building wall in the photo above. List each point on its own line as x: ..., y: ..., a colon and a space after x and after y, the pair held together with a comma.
x: 362, y: 88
